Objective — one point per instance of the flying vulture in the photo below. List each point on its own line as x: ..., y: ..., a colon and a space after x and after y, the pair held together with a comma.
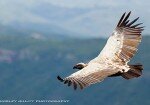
x: 113, y: 59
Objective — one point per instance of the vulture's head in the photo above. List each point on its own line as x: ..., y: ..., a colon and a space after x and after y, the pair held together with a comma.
x: 79, y: 66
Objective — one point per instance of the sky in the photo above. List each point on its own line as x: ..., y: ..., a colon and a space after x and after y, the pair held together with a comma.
x: 95, y: 18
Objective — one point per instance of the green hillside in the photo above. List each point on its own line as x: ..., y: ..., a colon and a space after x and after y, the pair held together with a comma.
x: 29, y: 67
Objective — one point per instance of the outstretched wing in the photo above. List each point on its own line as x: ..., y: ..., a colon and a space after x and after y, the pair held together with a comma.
x: 86, y: 77
x: 123, y: 43
x: 81, y: 81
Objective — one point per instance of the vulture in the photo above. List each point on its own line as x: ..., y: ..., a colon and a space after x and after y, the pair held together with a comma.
x: 113, y: 59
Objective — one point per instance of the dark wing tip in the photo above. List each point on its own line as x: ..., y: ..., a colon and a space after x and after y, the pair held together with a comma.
x: 71, y: 81
x: 124, y: 22
x: 120, y: 21
x: 75, y: 85
x: 65, y: 82
x: 60, y: 79
x: 129, y: 12
x: 132, y: 22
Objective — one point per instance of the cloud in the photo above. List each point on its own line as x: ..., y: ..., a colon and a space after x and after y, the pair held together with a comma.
x: 95, y: 3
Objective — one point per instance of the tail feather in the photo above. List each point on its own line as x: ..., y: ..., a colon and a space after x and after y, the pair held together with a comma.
x: 135, y: 71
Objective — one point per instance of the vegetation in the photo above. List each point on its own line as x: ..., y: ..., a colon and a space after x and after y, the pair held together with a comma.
x: 29, y: 67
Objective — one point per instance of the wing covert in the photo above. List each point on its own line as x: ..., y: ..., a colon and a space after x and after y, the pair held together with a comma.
x: 122, y: 44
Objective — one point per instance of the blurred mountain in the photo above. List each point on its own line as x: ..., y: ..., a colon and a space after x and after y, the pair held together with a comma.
x: 34, y: 30
x: 41, y: 18
x: 29, y: 67
x: 79, y: 19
